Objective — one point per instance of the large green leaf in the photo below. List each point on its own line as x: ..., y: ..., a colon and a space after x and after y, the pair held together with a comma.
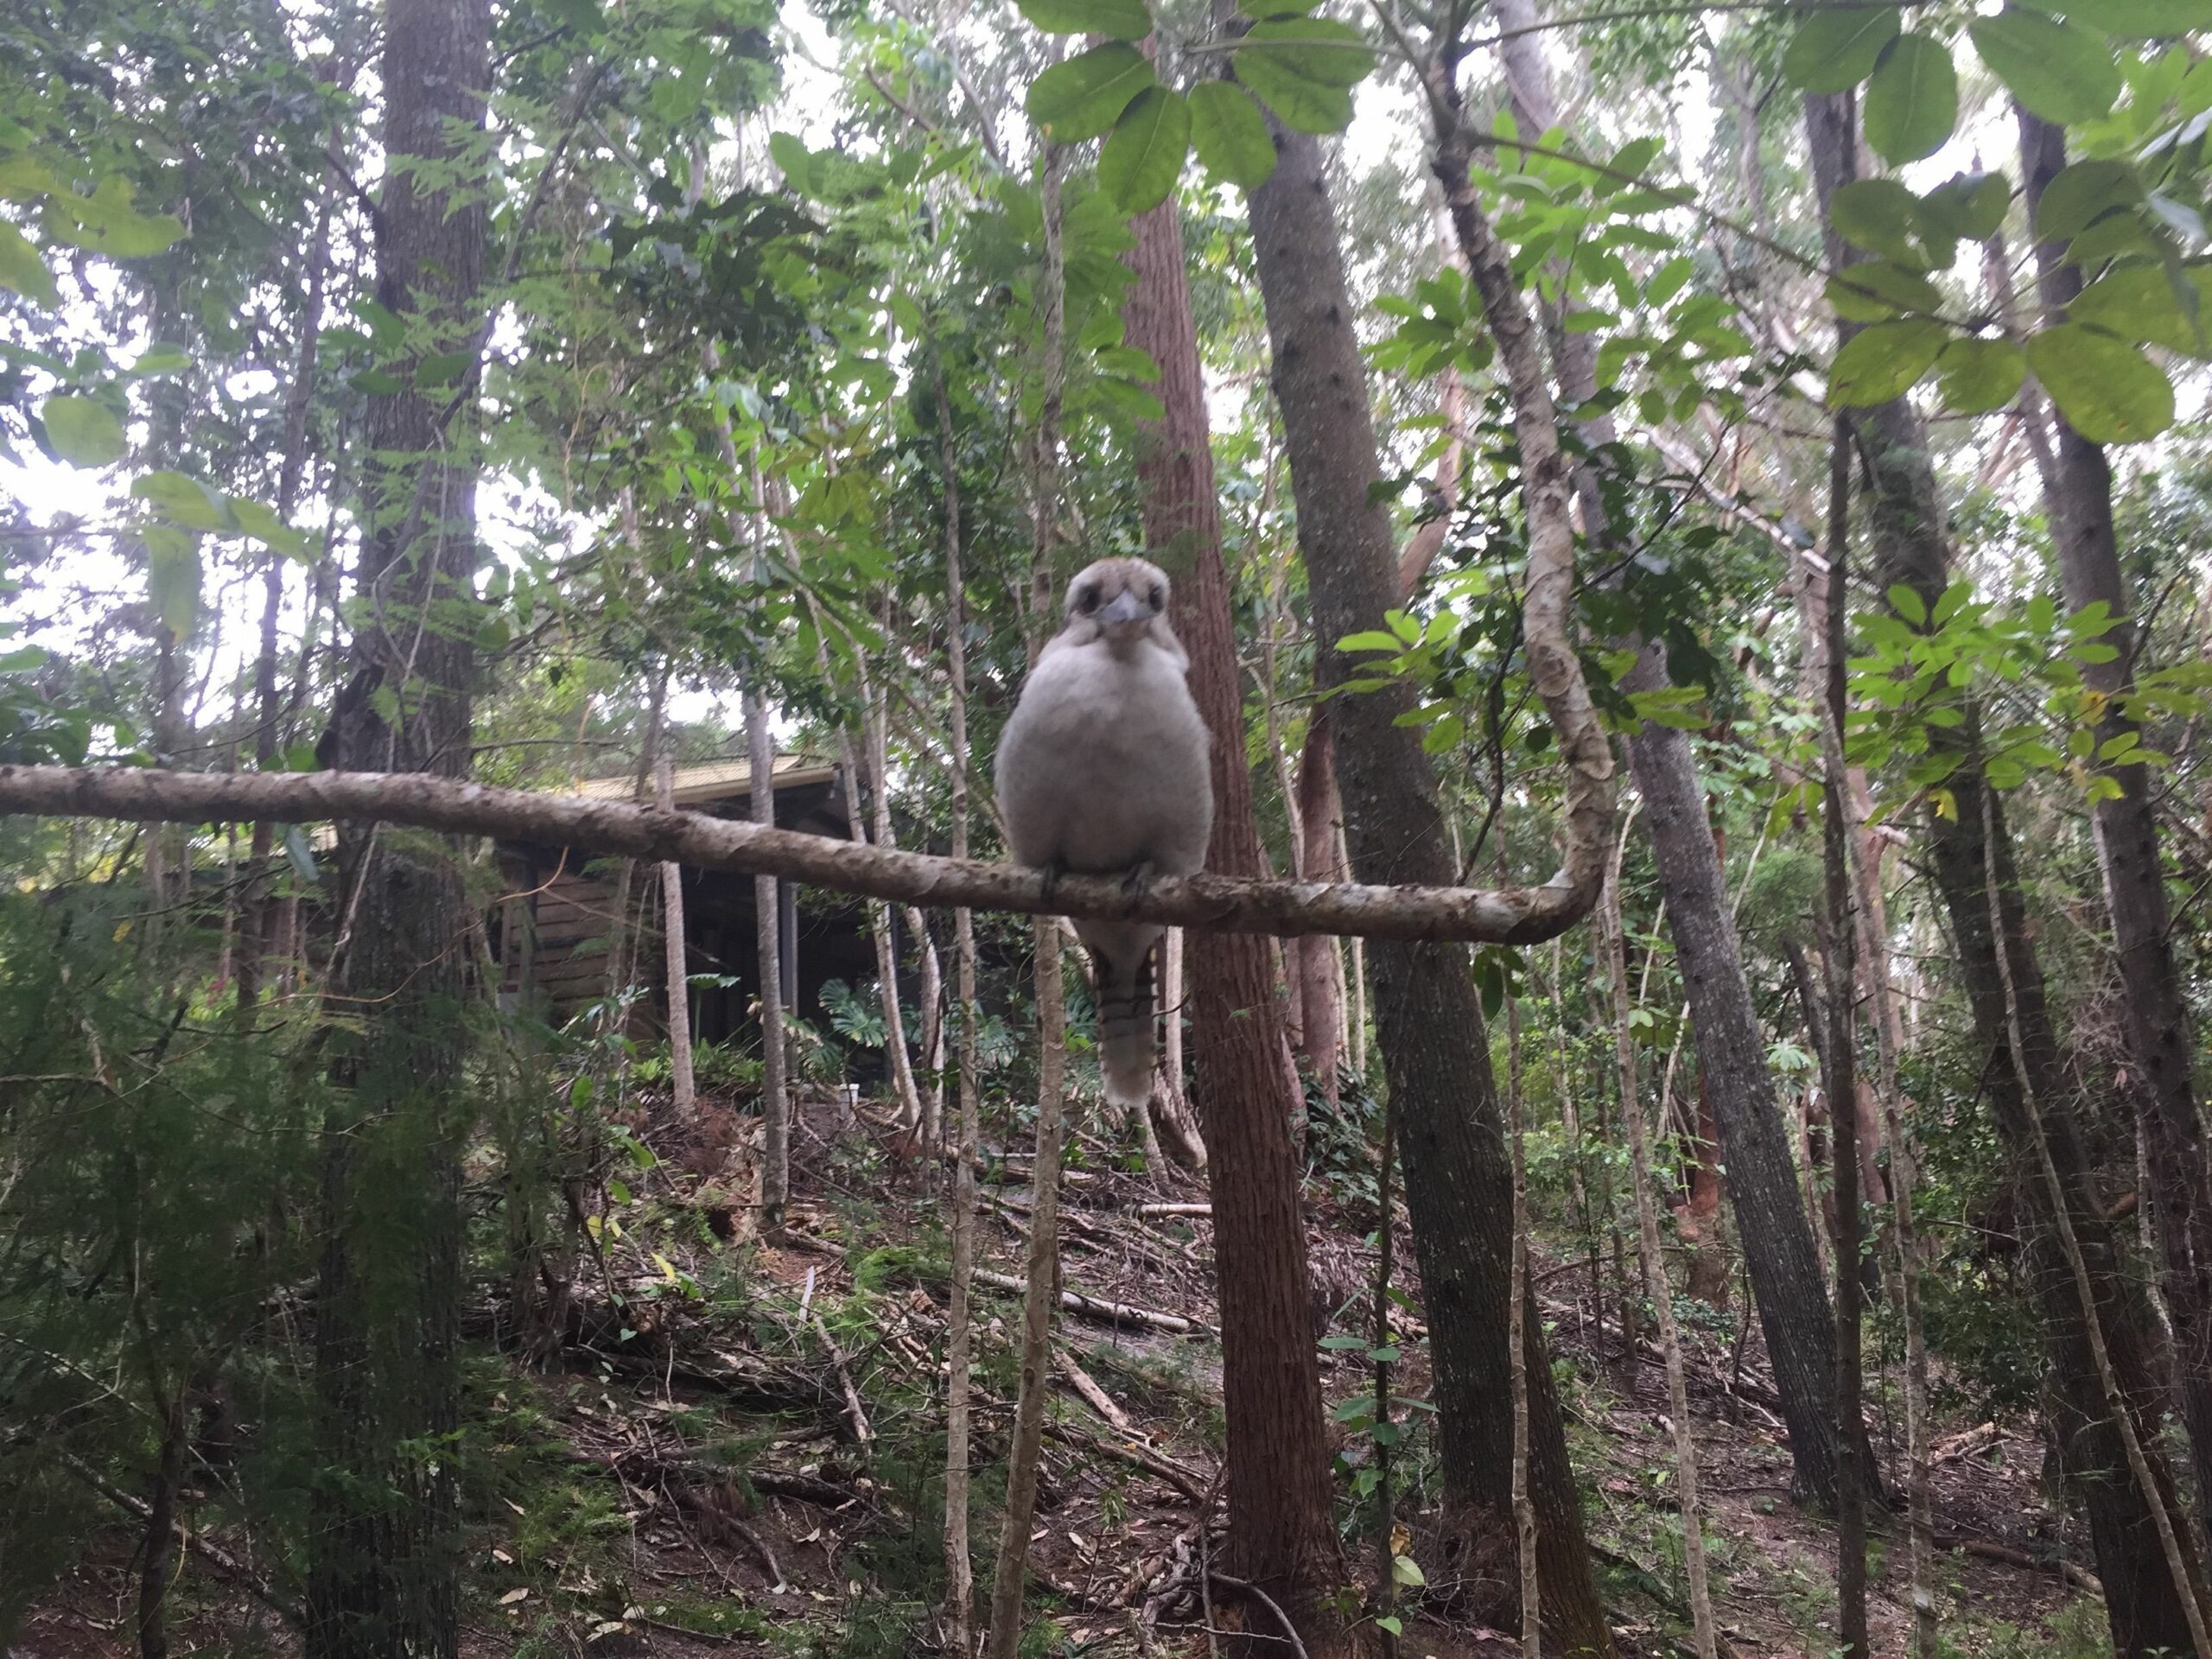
x: 1143, y: 155
x: 1304, y: 69
x: 2060, y: 71
x: 1835, y: 48
x: 172, y: 576
x: 2148, y: 304
x: 1878, y: 215
x: 1978, y: 375
x: 1967, y: 206
x: 1230, y: 134
x: 183, y: 500
x: 105, y: 222
x: 1884, y: 361
x: 83, y: 432
x: 1912, y: 103
x: 2107, y: 389
x: 1083, y: 97
x: 2138, y: 20
x: 1875, y: 290
x: 2082, y: 193
x: 23, y: 271
x: 1124, y: 19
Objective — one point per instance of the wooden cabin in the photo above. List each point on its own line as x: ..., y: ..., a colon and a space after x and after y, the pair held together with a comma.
x: 553, y: 932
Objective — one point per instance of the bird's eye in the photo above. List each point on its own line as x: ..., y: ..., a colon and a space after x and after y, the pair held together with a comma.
x: 1158, y: 598
x: 1087, y: 601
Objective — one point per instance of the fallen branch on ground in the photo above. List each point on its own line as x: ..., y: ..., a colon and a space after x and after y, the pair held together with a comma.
x: 1188, y: 1482
x: 1098, y: 1307
x: 1096, y: 1397
x: 423, y: 801
x: 1990, y: 1550
x: 212, y: 1553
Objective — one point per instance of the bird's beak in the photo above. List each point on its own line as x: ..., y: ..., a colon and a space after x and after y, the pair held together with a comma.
x: 1124, y: 613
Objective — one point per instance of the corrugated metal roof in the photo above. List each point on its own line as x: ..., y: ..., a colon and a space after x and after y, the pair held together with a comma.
x: 715, y: 780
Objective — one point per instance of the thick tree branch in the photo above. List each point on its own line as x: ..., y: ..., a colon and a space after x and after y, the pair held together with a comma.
x: 421, y: 801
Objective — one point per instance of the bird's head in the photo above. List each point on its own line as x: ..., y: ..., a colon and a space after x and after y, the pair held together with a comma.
x: 1119, y: 599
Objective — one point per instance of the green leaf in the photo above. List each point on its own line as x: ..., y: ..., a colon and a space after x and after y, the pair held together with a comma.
x: 443, y: 368
x: 1230, y: 134
x: 1835, y: 48
x: 1912, y: 103
x: 1908, y: 604
x: 302, y: 855
x: 2144, y: 304
x: 2081, y: 194
x: 183, y: 500
x: 105, y: 222
x: 173, y: 577
x: 1304, y: 68
x: 23, y: 271
x: 2138, y: 20
x: 1878, y: 215
x: 1320, y: 48
x: 264, y: 526
x: 83, y: 432
x: 1884, y: 362
x: 1406, y: 1570
x: 1875, y: 290
x: 1142, y: 157
x: 2105, y: 388
x: 1979, y: 375
x: 163, y: 359
x: 1390, y: 1622
x: 1124, y: 19
x: 1967, y: 206
x: 1083, y: 97
x: 794, y: 160
x: 2059, y: 71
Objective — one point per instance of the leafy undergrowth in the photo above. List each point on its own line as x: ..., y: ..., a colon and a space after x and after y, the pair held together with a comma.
x: 738, y: 1449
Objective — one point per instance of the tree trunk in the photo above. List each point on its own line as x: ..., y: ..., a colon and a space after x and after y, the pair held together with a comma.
x: 2143, y: 1605
x: 1436, y: 1057
x: 959, y: 1346
x: 676, y: 959
x: 1281, y: 1534
x: 775, y: 1088
x: 383, y: 1568
x: 1317, y: 961
x: 2080, y: 511
x: 1778, y: 1244
x: 1777, y: 1238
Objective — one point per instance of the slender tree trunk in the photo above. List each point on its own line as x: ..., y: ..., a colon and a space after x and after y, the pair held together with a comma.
x: 676, y: 960
x: 1524, y: 1508
x: 959, y: 1568
x: 775, y: 1087
x: 1040, y: 1291
x: 257, y: 915
x: 886, y: 953
x: 2080, y: 511
x: 383, y: 1567
x: 1853, y: 1468
x: 158, y: 1555
x: 1459, y: 1182
x: 1281, y: 1534
x: 1731, y: 1049
x: 1654, y: 1262
x: 1316, y: 961
x: 2002, y: 979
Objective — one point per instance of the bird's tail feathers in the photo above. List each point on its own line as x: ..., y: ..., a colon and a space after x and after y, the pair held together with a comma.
x: 1123, y: 985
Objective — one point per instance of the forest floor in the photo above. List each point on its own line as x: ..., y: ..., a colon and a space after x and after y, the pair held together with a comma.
x: 739, y: 1449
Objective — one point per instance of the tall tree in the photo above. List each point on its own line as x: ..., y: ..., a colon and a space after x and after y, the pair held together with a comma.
x: 1783, y: 1263
x: 2079, y: 508
x: 2003, y: 978
x: 1435, y: 1052
x: 383, y: 1556
x: 1283, y: 1535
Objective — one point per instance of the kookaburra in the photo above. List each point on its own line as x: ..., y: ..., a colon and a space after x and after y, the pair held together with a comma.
x: 1102, y: 771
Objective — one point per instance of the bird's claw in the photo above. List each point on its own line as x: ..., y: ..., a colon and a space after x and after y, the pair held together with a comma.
x: 1138, y: 882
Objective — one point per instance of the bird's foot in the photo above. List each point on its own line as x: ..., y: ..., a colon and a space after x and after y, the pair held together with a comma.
x: 1053, y: 872
x: 1138, y: 882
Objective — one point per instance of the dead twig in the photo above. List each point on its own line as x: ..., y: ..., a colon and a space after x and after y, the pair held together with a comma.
x: 1098, y: 1307
x: 1245, y: 1587
x: 1096, y: 1397
x: 854, y: 1412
